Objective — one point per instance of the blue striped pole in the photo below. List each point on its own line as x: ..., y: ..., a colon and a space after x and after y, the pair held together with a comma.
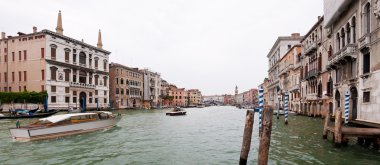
x: 347, y: 107
x: 261, y: 104
x: 286, y: 107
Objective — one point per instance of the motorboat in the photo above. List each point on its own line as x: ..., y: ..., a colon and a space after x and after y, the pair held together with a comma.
x: 176, y: 112
x: 65, y: 124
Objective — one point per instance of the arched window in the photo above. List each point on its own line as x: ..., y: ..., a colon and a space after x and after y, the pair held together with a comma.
x: 105, y: 80
x: 367, y: 18
x: 67, y: 74
x: 343, y: 36
x: 105, y: 65
x: 348, y: 30
x: 122, y: 91
x: 96, y: 79
x: 67, y: 54
x: 337, y: 41
x: 53, y: 73
x: 330, y: 51
x: 121, y: 81
x: 82, y: 77
x: 96, y: 62
x: 53, y: 51
x: 127, y: 91
x: 126, y: 81
x: 82, y: 58
x: 337, y: 98
x: 353, y: 22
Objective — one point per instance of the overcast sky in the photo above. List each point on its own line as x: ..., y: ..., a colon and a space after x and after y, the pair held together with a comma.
x: 211, y: 45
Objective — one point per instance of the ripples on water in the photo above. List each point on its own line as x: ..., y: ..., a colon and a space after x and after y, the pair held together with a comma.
x: 210, y: 135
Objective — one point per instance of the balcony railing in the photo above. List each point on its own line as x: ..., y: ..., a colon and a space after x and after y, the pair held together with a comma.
x: 134, y: 86
x: 364, y: 41
x: 349, y: 50
x: 312, y: 73
x: 294, y: 87
x: 286, y: 69
x: 297, y: 65
x: 310, y: 48
x: 82, y: 85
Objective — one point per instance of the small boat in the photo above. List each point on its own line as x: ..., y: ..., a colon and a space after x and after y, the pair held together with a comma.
x: 176, y: 112
x: 65, y: 124
x: 25, y: 116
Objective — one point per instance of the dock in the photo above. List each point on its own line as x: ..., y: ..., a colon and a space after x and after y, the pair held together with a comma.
x: 341, y: 133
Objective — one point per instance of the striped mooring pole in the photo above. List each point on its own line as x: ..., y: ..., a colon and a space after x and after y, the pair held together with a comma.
x: 286, y: 106
x: 346, y: 107
x: 261, y: 104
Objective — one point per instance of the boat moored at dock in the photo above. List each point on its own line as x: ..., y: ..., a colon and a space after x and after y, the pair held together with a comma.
x: 65, y: 124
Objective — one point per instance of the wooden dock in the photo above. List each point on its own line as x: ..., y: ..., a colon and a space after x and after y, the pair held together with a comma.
x: 340, y: 133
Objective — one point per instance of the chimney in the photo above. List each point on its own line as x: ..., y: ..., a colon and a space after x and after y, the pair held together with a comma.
x: 2, y: 35
x: 34, y: 29
x: 295, y: 35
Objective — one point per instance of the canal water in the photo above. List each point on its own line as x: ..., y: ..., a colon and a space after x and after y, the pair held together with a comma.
x: 211, y: 135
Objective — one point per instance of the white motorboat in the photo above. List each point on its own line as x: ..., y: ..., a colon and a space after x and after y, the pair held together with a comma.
x: 65, y: 124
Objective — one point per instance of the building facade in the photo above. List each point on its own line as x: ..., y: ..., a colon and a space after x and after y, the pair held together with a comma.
x: 278, y: 50
x: 354, y: 62
x: 74, y: 73
x: 126, y: 86
x: 194, y: 97
x: 152, y: 88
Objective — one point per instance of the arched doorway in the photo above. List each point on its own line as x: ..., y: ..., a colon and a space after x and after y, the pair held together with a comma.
x: 82, y: 98
x: 337, y: 99
x: 354, y: 102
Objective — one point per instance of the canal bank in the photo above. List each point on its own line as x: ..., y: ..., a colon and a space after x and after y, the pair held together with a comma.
x: 211, y: 135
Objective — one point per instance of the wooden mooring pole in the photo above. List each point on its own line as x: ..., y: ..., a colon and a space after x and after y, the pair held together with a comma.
x: 326, y: 126
x: 247, y: 136
x: 338, y: 128
x: 265, y: 136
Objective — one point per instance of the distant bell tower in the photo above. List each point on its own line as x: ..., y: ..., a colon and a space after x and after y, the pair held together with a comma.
x: 236, y: 90
x: 59, y: 28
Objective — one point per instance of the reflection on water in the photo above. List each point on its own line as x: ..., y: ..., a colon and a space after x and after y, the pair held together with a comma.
x: 210, y: 135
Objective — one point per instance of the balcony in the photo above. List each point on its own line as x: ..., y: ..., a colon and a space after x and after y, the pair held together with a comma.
x: 349, y: 51
x: 286, y: 69
x: 134, y: 86
x: 297, y: 65
x: 312, y: 74
x: 134, y: 96
x: 312, y: 96
x: 364, y: 42
x: 294, y: 88
x: 310, y: 48
x: 82, y: 85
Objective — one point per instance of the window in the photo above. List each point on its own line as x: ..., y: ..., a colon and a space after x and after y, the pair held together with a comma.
x: 366, y: 97
x: 96, y: 62
x: 53, y: 53
x: 67, y: 75
x: 367, y: 19
x: 25, y: 55
x: 96, y: 79
x: 82, y: 58
x: 25, y: 76
x: 13, y: 76
x: 13, y: 56
x: 53, y: 99
x: 82, y: 77
x: 42, y: 52
x: 337, y: 41
x: 105, y: 65
x: 24, y: 88
x: 121, y: 91
x: 67, y: 90
x: 42, y: 74
x: 105, y: 93
x: 343, y: 37
x: 74, y: 75
x: 105, y: 80
x: 74, y: 58
x: 74, y: 99
x: 67, y: 56
x: 5, y: 58
x: 105, y: 100
x: 90, y: 78
x: 348, y: 30
x: 121, y: 81
x: 53, y: 73
x: 117, y: 91
x: 5, y: 77
x: 19, y: 88
x: 53, y: 89
x: 117, y: 80
x: 67, y: 99
x: 90, y: 100
x: 366, y: 63
x: 353, y: 29
x: 127, y: 91
x: 96, y: 92
x: 19, y: 55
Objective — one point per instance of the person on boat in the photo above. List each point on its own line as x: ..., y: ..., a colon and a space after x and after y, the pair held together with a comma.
x: 18, y: 125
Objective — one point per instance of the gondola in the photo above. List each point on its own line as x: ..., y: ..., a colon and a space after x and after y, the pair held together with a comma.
x: 35, y: 115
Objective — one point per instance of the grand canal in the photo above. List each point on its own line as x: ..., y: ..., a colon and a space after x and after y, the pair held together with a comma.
x: 210, y: 135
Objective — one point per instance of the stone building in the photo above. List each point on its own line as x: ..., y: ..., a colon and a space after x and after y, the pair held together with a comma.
x: 74, y: 73
x: 315, y: 74
x: 152, y: 89
x: 278, y: 50
x: 354, y: 61
x: 180, y: 96
x: 126, y: 86
x: 289, y: 76
x: 194, y: 97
